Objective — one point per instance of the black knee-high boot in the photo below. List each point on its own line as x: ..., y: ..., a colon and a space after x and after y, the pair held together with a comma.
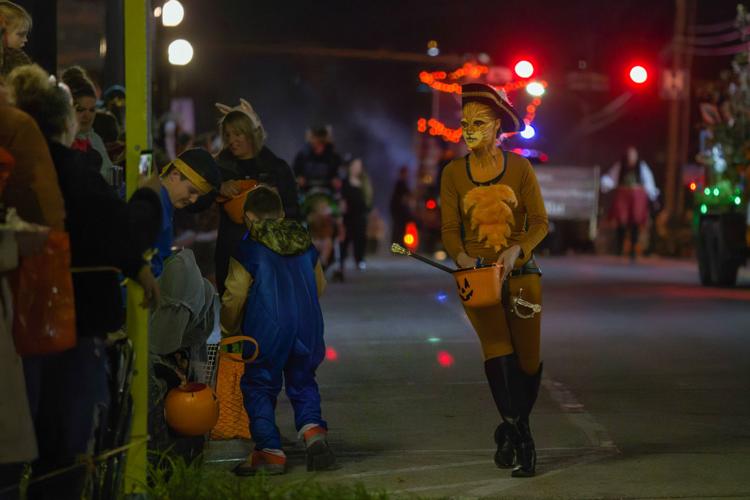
x: 501, y: 376
x: 525, y: 448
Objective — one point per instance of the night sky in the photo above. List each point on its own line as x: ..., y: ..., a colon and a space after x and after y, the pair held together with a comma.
x: 373, y: 105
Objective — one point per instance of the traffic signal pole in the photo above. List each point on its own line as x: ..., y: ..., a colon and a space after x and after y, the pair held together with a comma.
x: 679, y: 111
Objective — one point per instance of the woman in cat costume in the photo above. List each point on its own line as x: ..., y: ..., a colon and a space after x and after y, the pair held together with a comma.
x: 492, y: 211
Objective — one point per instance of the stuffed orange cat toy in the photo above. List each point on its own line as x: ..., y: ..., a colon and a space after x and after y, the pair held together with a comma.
x: 491, y: 210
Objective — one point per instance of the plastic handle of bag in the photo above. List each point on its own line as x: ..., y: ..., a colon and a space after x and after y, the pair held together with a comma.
x: 233, y: 356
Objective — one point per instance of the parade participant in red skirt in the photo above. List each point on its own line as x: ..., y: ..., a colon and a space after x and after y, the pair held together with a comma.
x: 634, y: 188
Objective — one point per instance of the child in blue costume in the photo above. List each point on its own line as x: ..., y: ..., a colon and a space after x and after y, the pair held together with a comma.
x: 271, y: 294
x: 192, y: 174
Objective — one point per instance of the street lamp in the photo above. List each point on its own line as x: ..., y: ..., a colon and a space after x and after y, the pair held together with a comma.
x: 528, y: 132
x: 432, y: 48
x: 172, y: 13
x: 536, y: 89
x: 180, y: 52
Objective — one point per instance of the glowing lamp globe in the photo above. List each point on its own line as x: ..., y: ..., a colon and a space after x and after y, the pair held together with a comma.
x: 191, y: 409
x: 172, y: 13
x: 528, y: 132
x: 535, y: 89
x: 180, y: 52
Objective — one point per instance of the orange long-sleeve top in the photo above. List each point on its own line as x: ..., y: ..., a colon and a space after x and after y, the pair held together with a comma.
x: 530, y: 216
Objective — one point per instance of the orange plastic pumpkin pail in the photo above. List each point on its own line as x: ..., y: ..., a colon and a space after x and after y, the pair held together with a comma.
x: 235, y: 206
x: 191, y: 409
x: 480, y: 286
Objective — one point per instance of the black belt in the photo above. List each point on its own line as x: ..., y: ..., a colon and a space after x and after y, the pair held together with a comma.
x: 529, y: 267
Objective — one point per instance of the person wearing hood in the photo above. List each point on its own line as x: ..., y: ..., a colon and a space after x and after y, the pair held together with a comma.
x: 245, y: 157
x: 272, y: 295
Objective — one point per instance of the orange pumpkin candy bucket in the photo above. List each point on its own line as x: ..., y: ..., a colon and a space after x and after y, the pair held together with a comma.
x: 479, y: 286
x: 235, y: 206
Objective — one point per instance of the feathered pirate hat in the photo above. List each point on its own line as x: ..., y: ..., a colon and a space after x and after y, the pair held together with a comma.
x: 510, y: 120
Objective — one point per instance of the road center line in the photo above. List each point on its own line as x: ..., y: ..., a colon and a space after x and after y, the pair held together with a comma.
x: 574, y: 410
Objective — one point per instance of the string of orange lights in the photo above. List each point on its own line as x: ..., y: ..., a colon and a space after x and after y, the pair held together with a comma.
x: 436, y: 80
x: 435, y: 127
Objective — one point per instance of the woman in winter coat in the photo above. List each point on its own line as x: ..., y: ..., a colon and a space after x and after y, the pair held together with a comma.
x: 69, y: 391
x: 245, y: 157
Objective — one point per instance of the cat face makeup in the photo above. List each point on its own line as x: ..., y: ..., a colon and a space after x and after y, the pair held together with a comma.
x: 479, y: 126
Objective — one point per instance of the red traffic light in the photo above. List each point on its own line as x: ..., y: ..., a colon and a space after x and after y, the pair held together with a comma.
x: 638, y: 74
x: 430, y: 204
x: 524, y: 68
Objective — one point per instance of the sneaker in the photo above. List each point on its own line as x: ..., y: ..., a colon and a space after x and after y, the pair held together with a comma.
x: 262, y: 461
x: 318, y: 453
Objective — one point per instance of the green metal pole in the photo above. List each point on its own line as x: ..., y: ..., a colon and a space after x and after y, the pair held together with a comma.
x: 138, y: 138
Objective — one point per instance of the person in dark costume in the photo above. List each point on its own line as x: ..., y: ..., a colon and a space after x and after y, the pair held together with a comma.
x: 357, y: 195
x: 317, y: 165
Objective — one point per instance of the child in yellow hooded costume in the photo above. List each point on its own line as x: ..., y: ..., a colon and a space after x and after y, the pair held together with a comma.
x: 492, y: 209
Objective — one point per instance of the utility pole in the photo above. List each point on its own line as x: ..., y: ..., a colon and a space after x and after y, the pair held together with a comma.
x: 685, y: 118
x: 675, y: 108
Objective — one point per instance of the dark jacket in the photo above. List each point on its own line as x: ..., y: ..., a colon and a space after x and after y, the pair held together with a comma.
x: 318, y: 170
x: 267, y: 169
x: 357, y: 206
x: 104, y: 231
x: 399, y: 205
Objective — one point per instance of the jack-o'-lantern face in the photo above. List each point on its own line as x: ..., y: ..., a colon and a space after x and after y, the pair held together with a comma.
x: 465, y: 291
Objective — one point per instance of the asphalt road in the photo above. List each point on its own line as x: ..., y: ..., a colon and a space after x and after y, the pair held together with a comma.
x: 646, y: 391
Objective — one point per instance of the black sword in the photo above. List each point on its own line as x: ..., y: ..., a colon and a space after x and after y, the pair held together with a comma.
x: 399, y: 250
